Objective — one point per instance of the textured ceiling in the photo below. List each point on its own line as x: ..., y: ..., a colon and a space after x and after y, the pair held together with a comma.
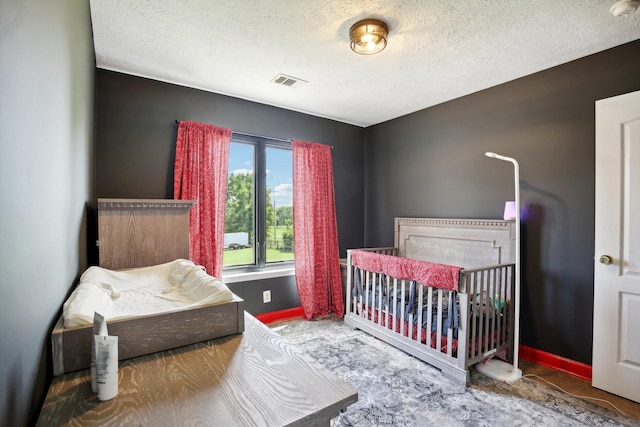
x: 437, y: 50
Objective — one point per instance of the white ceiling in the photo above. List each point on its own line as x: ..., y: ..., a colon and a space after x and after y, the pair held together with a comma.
x: 437, y: 50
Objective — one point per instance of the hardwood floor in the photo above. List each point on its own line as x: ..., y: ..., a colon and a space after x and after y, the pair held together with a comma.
x: 580, y: 387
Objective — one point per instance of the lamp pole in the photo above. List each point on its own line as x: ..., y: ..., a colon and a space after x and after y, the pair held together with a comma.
x: 495, y: 368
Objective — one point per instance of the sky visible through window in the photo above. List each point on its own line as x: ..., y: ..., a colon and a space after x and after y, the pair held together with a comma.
x: 279, y: 170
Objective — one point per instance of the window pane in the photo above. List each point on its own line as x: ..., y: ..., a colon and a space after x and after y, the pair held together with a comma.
x: 239, y: 239
x: 279, y: 205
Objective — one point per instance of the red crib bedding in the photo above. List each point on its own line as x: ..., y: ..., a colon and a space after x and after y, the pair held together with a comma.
x: 433, y: 274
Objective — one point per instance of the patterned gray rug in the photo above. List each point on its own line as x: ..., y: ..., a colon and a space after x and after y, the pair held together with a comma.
x: 399, y: 390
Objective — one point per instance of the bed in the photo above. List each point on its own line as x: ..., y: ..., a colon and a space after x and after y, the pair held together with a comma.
x: 442, y: 293
x: 152, y: 296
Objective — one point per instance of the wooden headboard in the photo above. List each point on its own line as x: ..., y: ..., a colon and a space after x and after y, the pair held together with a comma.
x: 142, y: 232
x: 467, y: 243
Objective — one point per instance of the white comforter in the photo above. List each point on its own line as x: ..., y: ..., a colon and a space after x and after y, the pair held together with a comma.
x: 142, y: 291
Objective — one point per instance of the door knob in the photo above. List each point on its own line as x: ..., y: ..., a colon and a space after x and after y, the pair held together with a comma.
x: 606, y: 260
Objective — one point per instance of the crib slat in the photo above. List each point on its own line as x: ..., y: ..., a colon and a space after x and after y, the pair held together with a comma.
x: 495, y: 308
x: 463, y: 330
x: 382, y: 298
x: 412, y: 315
x: 371, y: 302
x: 469, y: 325
x: 487, y: 311
x: 475, y: 302
x: 430, y: 318
x: 439, y: 320
x: 481, y: 317
x: 358, y: 297
x: 512, y: 288
x: 363, y: 276
x: 448, y: 330
x: 491, y: 319
x: 507, y: 304
x: 420, y: 304
x: 385, y: 286
x: 367, y: 295
x: 355, y: 297
x: 402, y: 311
x: 347, y: 308
x: 501, y: 304
x: 394, y: 309
x: 377, y: 295
x: 385, y: 301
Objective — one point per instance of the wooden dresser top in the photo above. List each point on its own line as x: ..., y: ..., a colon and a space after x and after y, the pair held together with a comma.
x: 254, y: 379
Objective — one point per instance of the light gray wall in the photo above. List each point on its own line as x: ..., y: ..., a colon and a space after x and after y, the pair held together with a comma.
x: 46, y: 139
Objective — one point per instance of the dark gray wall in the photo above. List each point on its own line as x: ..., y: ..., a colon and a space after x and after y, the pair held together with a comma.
x: 46, y: 142
x: 432, y: 164
x: 135, y: 151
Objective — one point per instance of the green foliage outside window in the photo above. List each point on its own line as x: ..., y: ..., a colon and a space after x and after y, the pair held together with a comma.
x: 239, y: 218
x: 239, y: 211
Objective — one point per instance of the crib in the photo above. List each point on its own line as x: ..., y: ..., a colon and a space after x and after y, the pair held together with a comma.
x: 442, y: 293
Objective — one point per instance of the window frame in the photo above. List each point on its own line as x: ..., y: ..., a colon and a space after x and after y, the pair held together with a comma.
x: 260, y: 145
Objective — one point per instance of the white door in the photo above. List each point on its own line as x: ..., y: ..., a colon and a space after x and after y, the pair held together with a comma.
x: 616, y: 312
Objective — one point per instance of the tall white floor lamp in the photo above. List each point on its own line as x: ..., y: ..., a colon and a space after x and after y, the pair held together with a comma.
x: 495, y: 368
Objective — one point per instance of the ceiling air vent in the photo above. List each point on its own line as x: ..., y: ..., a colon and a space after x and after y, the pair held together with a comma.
x: 284, y: 80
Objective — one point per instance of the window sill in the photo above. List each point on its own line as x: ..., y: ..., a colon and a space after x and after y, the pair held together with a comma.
x: 257, y: 275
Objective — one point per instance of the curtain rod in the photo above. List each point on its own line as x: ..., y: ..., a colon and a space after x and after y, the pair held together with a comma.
x: 258, y: 136
x: 254, y: 136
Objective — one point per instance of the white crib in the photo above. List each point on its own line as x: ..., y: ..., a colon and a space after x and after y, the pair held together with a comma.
x: 449, y: 329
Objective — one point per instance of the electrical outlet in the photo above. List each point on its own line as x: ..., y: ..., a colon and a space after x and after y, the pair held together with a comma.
x: 266, y: 296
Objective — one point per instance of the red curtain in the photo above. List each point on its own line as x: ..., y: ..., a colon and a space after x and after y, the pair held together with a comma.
x: 200, y: 173
x: 317, y: 259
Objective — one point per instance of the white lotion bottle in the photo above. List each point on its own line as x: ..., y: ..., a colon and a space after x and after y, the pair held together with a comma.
x: 106, y: 366
x: 100, y: 329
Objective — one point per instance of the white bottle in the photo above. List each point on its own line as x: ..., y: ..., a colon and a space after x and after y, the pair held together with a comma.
x: 99, y: 328
x: 106, y: 366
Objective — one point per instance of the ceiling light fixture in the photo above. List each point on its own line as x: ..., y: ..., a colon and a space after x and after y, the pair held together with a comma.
x: 624, y: 7
x: 368, y: 36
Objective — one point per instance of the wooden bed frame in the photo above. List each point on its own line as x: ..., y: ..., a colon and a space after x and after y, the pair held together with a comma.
x: 485, y: 249
x: 139, y: 233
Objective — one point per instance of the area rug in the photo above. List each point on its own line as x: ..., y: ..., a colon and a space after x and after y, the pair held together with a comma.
x: 396, y: 389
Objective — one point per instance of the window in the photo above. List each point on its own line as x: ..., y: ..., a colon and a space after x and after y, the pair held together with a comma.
x: 259, y: 213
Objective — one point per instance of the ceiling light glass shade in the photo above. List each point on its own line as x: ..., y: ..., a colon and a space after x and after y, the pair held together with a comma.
x: 368, y: 36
